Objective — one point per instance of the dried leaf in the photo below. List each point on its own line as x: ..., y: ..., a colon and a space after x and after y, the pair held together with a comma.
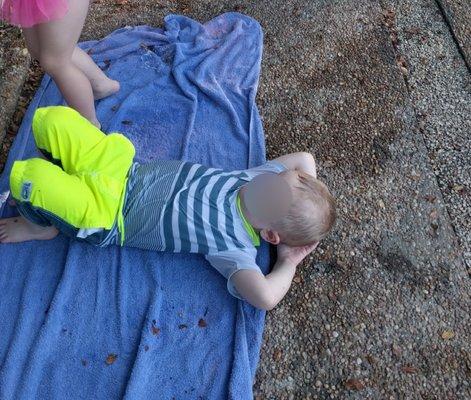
x: 409, y: 369
x: 354, y: 384
x: 370, y: 359
x: 155, y: 331
x: 277, y: 355
x: 111, y: 358
x: 297, y: 279
x: 202, y: 323
x: 430, y: 198
x: 448, y: 334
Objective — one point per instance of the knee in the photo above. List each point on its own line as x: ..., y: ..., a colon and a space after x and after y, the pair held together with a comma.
x: 52, y: 116
x: 50, y: 120
x: 20, y: 178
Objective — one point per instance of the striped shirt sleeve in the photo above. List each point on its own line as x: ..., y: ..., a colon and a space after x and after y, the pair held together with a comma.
x: 270, y: 166
x: 230, y: 261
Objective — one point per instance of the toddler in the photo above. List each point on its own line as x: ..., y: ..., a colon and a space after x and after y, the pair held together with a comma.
x: 90, y: 189
x: 51, y: 29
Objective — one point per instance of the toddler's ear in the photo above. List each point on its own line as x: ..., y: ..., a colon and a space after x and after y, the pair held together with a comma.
x: 270, y: 236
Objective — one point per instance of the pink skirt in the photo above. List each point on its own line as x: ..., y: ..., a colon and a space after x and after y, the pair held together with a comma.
x: 26, y: 13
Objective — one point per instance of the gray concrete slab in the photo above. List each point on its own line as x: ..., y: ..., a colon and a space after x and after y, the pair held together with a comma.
x: 439, y: 85
x: 370, y: 308
x: 458, y: 16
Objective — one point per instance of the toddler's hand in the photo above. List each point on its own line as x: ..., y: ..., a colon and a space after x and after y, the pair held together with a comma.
x: 294, y: 255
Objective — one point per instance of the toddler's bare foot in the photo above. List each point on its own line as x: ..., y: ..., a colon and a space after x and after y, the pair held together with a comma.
x: 19, y: 229
x: 104, y: 88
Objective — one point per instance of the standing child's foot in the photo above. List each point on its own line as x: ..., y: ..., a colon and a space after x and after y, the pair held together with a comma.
x: 19, y: 229
x: 104, y: 88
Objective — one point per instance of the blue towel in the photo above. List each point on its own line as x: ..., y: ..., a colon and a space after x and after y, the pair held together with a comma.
x: 79, y: 322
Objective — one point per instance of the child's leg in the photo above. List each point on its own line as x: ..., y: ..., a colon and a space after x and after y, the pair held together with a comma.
x: 47, y: 196
x: 57, y: 41
x: 101, y: 161
x: 102, y: 86
x: 66, y: 138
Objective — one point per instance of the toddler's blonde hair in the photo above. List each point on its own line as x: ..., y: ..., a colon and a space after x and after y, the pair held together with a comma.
x: 311, y: 216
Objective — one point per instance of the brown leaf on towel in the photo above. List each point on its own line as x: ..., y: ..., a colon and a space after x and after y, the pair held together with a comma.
x: 155, y: 330
x: 111, y: 358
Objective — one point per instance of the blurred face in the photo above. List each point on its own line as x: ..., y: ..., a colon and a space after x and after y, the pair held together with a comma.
x: 268, y: 197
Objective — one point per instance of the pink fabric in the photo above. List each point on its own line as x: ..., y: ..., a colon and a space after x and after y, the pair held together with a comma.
x: 26, y: 13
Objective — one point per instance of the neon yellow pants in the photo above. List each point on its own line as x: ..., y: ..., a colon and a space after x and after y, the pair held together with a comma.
x: 84, y: 181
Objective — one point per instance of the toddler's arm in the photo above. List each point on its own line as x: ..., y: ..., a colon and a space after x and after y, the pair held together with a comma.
x: 266, y: 292
x: 301, y: 161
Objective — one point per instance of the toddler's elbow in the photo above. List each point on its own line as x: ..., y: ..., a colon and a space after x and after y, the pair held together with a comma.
x: 268, y: 302
x: 307, y: 156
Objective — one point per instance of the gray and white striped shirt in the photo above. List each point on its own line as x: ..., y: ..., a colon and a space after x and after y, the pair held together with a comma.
x: 184, y: 207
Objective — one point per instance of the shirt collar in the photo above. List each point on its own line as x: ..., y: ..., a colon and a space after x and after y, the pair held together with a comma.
x: 254, y: 236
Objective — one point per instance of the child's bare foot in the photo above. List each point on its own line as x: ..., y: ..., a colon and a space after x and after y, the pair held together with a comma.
x: 19, y: 229
x: 104, y: 88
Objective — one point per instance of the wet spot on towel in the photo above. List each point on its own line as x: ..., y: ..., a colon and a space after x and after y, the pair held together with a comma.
x: 111, y: 358
x: 202, y: 323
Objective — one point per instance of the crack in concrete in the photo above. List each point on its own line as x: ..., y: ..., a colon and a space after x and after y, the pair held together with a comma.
x: 449, y: 25
x: 390, y: 24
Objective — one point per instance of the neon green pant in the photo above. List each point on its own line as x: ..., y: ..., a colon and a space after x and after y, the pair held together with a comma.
x: 83, y: 183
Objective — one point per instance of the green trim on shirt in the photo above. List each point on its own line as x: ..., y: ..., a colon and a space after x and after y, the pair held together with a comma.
x: 254, y: 236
